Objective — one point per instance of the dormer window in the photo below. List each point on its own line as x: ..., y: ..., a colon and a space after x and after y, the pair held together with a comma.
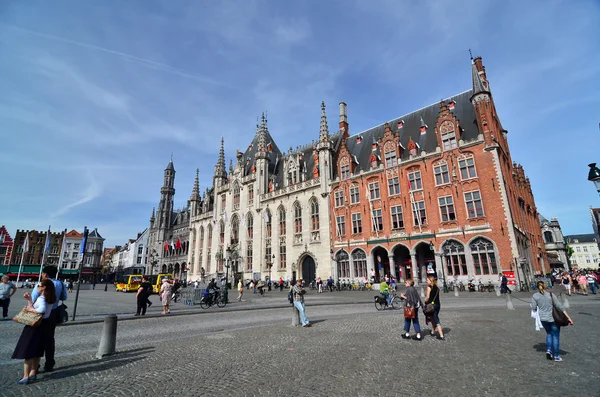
x: 359, y: 139
x: 423, y: 127
x: 400, y: 124
x: 345, y: 172
x: 451, y: 105
x: 448, y: 136
x: 391, y: 159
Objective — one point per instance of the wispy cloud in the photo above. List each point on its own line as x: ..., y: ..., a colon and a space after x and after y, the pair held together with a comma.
x: 91, y: 192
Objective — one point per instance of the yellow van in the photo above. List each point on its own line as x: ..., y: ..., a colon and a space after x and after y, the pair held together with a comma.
x: 156, y: 280
x: 129, y: 282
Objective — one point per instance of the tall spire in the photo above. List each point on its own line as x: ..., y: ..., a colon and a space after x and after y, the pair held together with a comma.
x: 324, y: 131
x: 153, y: 216
x: 220, y: 167
x: 480, y: 83
x: 261, y: 139
x: 196, y: 189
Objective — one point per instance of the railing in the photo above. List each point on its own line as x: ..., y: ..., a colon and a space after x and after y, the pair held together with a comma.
x: 291, y: 188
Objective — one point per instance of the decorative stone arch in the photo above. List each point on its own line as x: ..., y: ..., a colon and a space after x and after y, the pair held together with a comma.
x: 176, y: 270
x: 235, y: 229
x: 378, y: 246
x: 413, y: 249
x: 307, y: 258
x: 163, y: 269
x: 398, y: 245
x: 469, y: 252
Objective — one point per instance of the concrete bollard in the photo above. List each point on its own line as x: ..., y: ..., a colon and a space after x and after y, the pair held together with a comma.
x: 295, y: 317
x: 108, y: 342
x: 509, y: 304
x: 422, y: 292
x: 456, y: 291
x: 565, y: 301
x: 497, y: 290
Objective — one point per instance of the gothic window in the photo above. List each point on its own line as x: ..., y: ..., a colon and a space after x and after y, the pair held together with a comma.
x: 467, y: 168
x: 221, y: 232
x: 374, y: 190
x: 250, y: 194
x: 397, y: 218
x: 282, y: 256
x: 250, y: 225
x: 414, y: 179
x: 419, y: 213
x: 447, y: 208
x: 390, y: 155
x: 354, y: 194
x: 474, y: 204
x: 235, y: 230
x: 448, y: 136
x: 236, y: 194
x: 340, y: 223
x: 269, y: 223
x: 484, y: 256
x: 314, y: 215
x: 223, y: 202
x: 249, y: 256
x: 343, y: 264
x: 548, y: 237
x: 359, y: 260
x: 356, y: 223
x: 292, y: 177
x: 210, y: 230
x: 339, y: 197
x: 393, y: 186
x: 440, y: 171
x: 456, y: 262
x: 345, y: 172
x: 297, y: 218
x: 282, y: 228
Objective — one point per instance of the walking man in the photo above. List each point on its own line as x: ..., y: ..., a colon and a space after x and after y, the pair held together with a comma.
x: 49, y: 272
x: 298, y: 293
x: 142, y: 296
x: 7, y: 289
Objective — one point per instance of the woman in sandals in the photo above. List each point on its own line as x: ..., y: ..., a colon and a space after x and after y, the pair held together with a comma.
x: 413, y: 300
x: 543, y: 301
x: 433, y: 296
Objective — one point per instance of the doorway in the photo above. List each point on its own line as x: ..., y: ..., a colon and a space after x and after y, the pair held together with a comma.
x: 381, y: 262
x: 308, y: 269
x: 425, y: 261
x: 403, y: 262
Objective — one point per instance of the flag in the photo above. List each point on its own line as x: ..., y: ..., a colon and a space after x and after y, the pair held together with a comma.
x: 26, y: 243
x: 47, y: 245
x: 172, y: 245
x: 166, y: 246
x: 83, y: 240
x: 178, y: 244
x: 266, y: 216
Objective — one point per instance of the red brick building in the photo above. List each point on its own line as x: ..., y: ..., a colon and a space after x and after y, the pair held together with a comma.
x: 6, y: 246
x: 37, y: 240
x: 436, y: 186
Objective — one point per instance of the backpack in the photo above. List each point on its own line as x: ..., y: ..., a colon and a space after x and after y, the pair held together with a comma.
x: 291, y: 297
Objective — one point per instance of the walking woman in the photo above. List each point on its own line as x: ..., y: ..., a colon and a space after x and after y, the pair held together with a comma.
x: 433, y: 296
x: 543, y: 301
x: 413, y: 300
x: 30, y: 346
x: 166, y: 293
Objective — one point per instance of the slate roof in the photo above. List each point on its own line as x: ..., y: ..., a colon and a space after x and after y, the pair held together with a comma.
x: 94, y: 233
x: 463, y: 111
x: 542, y: 219
x: 250, y: 153
x: 582, y: 238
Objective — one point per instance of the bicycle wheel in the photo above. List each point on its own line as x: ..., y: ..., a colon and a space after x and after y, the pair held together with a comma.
x: 379, y: 305
x: 220, y: 302
x: 204, y: 304
x: 397, y: 303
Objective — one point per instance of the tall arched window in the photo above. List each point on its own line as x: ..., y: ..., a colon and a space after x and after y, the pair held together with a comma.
x: 282, y: 228
x: 201, y: 237
x: 484, y: 256
x: 235, y: 229
x: 297, y: 218
x: 343, y: 264
x: 314, y: 214
x: 221, y: 232
x: 269, y: 222
x: 210, y: 231
x: 236, y: 194
x: 359, y: 259
x: 456, y: 263
x: 250, y: 225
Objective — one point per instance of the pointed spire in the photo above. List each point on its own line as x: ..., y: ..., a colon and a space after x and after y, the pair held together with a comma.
x: 153, y: 216
x: 220, y: 167
x: 262, y: 134
x: 480, y: 84
x: 324, y: 131
x: 196, y: 189
x: 230, y: 166
x: 170, y: 166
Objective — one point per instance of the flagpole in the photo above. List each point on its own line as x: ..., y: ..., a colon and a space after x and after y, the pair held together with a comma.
x: 83, y: 244
x: 20, y: 267
x: 46, y: 249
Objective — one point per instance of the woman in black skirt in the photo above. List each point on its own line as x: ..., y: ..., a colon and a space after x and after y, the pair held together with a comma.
x: 30, y: 346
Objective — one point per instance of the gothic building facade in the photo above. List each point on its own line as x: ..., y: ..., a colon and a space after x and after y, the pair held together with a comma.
x: 555, y: 244
x: 270, y: 211
x: 435, y: 191
x: 168, y: 232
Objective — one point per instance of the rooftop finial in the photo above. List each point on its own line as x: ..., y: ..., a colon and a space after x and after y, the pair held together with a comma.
x: 324, y: 131
x: 471, y: 54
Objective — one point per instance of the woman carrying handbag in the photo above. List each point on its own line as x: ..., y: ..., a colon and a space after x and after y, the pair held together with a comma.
x: 432, y: 301
x: 30, y: 346
x: 411, y: 310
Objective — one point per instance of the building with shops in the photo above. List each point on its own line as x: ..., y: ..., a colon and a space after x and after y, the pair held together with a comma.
x: 168, y: 233
x: 585, y: 254
x: 37, y: 241
x: 71, y: 254
x: 435, y: 191
x: 6, y: 246
x: 555, y: 244
x: 270, y: 211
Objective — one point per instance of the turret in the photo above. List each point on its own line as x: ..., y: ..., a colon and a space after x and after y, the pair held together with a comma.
x: 195, y: 197
x: 262, y: 157
x: 167, y: 192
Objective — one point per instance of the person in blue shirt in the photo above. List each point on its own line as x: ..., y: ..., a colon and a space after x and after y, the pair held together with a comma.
x: 49, y: 272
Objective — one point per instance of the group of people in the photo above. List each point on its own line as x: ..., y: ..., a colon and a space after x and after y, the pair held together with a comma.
x: 168, y: 292
x: 413, y: 304
x: 577, y: 281
x: 36, y: 342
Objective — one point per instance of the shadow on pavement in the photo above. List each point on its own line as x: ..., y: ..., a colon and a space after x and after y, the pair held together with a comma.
x: 541, y: 347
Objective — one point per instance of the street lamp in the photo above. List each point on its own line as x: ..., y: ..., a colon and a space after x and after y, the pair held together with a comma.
x: 269, y: 263
x: 227, y: 259
x: 441, y: 256
x: 153, y: 261
x: 594, y: 176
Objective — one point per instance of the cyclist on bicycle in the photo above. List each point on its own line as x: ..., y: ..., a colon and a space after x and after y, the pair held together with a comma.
x: 384, y: 289
x: 212, y: 290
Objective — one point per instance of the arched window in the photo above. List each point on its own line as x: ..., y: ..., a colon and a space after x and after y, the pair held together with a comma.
x: 201, y: 236
x: 282, y: 228
x: 235, y: 230
x: 314, y: 214
x: 210, y: 230
x: 250, y: 225
x: 484, y: 256
x: 359, y: 259
x: 456, y: 262
x: 343, y: 264
x: 448, y: 136
x: 236, y: 194
x: 390, y: 154
x: 548, y: 237
x: 221, y: 232
x: 297, y: 218
x: 269, y: 223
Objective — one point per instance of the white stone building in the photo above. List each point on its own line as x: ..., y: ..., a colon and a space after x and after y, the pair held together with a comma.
x: 585, y: 251
x: 133, y: 253
x: 271, y: 210
x: 555, y: 244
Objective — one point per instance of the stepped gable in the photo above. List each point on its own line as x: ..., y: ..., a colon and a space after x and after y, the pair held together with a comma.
x: 6, y: 236
x: 411, y: 130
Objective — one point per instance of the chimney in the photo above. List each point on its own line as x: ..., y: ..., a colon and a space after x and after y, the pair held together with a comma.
x: 343, y: 119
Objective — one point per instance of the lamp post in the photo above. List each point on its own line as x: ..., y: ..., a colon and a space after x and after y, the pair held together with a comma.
x: 269, y: 263
x: 227, y: 259
x: 441, y: 256
x: 594, y: 176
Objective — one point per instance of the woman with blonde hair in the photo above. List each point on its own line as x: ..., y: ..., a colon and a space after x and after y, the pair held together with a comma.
x: 543, y: 301
x: 433, y: 296
x: 166, y: 293
x: 413, y: 300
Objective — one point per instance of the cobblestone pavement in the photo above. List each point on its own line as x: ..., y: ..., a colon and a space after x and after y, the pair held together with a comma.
x: 350, y: 350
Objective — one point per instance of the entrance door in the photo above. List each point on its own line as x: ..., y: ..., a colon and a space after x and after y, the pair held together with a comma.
x: 308, y: 269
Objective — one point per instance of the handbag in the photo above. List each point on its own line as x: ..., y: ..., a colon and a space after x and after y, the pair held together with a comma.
x: 559, y: 317
x: 409, y: 312
x: 61, y: 314
x: 429, y: 309
x: 28, y: 318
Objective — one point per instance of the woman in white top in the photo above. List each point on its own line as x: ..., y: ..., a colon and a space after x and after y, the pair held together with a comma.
x: 30, y: 346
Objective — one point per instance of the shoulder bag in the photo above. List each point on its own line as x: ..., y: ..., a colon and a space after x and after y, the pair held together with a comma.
x: 409, y: 311
x: 429, y: 309
x: 28, y: 318
x: 559, y: 317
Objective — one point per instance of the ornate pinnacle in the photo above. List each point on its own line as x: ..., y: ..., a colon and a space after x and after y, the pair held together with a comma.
x: 196, y: 189
x: 324, y: 130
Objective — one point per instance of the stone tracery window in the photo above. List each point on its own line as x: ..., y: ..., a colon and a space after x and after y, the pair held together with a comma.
x: 343, y: 264
x: 447, y: 132
x: 456, y: 262
x: 484, y: 256
x: 359, y: 260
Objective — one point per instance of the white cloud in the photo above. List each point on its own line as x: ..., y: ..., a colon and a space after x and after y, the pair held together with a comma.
x: 91, y: 192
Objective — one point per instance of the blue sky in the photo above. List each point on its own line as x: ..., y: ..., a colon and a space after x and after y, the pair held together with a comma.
x: 95, y: 95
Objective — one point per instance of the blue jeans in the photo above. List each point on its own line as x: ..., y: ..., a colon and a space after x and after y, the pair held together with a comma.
x: 415, y: 322
x: 552, y: 337
x: 593, y: 287
x: 387, y: 297
x: 300, y: 306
